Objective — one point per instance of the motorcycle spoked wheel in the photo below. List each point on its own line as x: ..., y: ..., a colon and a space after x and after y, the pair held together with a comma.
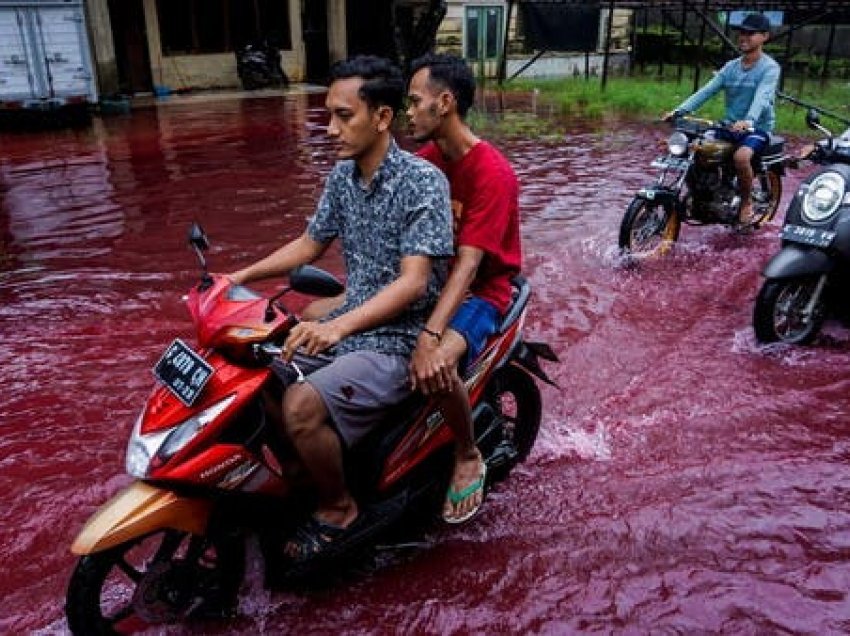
x: 766, y: 194
x: 649, y: 228
x: 507, y: 439
x: 153, y: 579
x: 778, y: 314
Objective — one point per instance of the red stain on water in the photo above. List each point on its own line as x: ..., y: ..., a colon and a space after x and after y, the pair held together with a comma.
x: 685, y: 479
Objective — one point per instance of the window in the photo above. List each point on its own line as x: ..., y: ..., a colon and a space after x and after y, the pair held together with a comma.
x: 217, y: 26
x: 483, y: 32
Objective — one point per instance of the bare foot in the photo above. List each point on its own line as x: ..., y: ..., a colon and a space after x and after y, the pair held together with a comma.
x: 745, y: 215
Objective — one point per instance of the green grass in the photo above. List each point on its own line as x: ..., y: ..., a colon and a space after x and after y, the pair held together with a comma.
x: 647, y: 98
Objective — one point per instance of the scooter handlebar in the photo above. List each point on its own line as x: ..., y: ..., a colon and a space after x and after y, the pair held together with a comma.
x: 268, y: 349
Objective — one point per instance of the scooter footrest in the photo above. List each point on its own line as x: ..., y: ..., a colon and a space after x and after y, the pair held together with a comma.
x: 504, y: 454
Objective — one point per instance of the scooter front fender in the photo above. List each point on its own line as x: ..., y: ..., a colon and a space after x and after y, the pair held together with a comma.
x: 795, y: 260
x: 138, y: 510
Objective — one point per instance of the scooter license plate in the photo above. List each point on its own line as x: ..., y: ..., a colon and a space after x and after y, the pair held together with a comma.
x: 183, y: 372
x: 807, y: 235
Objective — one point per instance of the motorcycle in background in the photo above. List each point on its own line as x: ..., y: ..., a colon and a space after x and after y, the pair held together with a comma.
x: 807, y: 280
x: 258, y: 66
x: 212, y: 467
x: 698, y: 185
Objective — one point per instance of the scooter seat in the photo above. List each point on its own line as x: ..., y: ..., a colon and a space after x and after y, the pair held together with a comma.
x: 519, y: 299
x: 773, y: 154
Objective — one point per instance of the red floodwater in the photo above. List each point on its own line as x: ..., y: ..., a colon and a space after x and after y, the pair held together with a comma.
x: 685, y: 480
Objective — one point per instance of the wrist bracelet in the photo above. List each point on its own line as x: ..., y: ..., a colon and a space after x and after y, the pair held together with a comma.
x: 434, y: 334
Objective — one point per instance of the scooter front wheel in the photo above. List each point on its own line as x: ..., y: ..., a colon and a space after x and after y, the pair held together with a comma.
x: 649, y: 228
x: 781, y: 312
x: 162, y: 577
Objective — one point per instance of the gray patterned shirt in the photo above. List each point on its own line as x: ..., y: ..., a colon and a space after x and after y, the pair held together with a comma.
x: 405, y: 211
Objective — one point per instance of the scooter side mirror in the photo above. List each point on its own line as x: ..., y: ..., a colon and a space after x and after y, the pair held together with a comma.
x: 200, y: 243
x: 812, y: 119
x: 198, y: 238
x: 308, y: 279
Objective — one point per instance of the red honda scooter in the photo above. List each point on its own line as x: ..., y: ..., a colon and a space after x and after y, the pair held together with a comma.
x: 211, y: 465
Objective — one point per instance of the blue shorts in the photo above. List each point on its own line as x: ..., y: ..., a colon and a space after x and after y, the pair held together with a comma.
x: 475, y: 320
x: 756, y: 139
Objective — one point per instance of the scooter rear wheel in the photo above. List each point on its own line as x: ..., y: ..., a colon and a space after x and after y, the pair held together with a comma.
x: 507, y: 440
x: 649, y: 228
x: 138, y: 583
x: 766, y: 194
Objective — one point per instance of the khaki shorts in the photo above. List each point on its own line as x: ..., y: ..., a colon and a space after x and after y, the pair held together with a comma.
x: 357, y: 388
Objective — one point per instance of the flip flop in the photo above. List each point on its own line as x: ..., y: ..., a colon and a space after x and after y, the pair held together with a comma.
x: 455, y: 497
x: 316, y: 539
x: 746, y: 223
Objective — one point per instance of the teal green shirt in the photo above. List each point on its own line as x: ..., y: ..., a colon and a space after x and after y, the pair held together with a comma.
x: 750, y: 93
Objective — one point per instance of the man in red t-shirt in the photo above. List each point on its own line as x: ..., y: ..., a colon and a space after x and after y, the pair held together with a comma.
x: 484, y: 193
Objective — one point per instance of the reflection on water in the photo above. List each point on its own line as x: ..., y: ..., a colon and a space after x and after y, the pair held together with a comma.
x: 685, y: 480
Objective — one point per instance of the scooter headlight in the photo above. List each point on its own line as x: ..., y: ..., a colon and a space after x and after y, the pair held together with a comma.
x: 159, y: 447
x: 141, y: 448
x: 677, y: 144
x: 823, y: 196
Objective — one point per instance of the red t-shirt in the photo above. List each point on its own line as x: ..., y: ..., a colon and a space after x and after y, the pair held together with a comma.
x: 485, y: 206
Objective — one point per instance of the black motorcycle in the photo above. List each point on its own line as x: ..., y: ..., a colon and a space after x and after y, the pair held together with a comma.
x: 698, y: 185
x: 258, y: 66
x: 806, y: 281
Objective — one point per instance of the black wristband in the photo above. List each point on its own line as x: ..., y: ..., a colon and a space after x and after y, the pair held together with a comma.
x: 434, y: 334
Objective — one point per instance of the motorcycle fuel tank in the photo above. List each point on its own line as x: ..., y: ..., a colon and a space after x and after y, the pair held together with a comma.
x: 713, y: 151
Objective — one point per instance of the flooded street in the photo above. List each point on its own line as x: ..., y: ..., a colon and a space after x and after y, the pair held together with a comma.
x: 685, y: 479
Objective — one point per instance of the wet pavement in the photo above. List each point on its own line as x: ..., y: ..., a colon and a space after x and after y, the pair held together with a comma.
x: 685, y: 480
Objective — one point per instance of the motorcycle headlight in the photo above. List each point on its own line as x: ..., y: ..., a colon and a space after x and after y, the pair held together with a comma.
x: 823, y: 196
x: 677, y: 144
x: 160, y: 446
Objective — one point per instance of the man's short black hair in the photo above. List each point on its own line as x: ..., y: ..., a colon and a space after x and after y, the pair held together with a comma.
x: 383, y: 83
x: 450, y: 72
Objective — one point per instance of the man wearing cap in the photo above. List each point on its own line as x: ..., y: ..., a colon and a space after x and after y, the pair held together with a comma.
x: 749, y: 83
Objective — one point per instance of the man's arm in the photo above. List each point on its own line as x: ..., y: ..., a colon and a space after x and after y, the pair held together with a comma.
x: 429, y: 369
x: 765, y: 94
x: 392, y: 300
x: 463, y: 272
x: 488, y: 218
x: 298, y: 252
x: 699, y: 98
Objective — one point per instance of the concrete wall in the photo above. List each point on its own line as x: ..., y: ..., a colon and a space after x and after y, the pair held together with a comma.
x: 293, y: 61
x: 178, y: 72
x: 337, y: 39
x: 103, y: 48
x: 450, y: 39
x: 568, y: 65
